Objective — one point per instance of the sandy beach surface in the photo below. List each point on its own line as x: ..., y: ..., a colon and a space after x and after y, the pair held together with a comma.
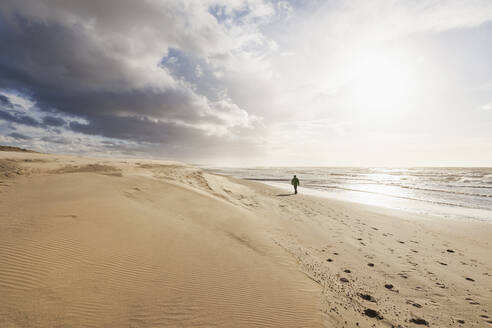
x: 87, y: 242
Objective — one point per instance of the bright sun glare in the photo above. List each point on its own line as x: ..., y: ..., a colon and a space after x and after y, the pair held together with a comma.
x: 382, y: 83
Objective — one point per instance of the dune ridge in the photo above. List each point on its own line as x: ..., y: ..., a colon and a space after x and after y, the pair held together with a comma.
x: 87, y: 242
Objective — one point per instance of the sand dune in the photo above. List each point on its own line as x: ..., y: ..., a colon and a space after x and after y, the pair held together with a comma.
x: 88, y: 242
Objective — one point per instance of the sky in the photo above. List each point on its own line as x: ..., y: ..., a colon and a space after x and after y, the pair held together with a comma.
x: 250, y: 82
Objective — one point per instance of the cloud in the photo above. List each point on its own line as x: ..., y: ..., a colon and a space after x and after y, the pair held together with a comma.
x: 4, y: 101
x: 209, y: 78
x: 15, y: 117
x: 53, y: 121
x: 487, y: 106
x: 103, y: 62
x: 19, y: 136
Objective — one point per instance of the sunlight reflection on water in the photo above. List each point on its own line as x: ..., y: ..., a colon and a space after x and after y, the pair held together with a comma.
x: 463, y: 193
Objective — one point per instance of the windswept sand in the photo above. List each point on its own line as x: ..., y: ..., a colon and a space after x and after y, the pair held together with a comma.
x: 137, y: 243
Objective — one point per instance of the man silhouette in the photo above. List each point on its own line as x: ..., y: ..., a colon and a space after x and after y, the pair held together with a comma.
x: 295, y: 183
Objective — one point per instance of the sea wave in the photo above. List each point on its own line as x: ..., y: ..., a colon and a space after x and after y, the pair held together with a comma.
x: 464, y: 188
x: 393, y: 195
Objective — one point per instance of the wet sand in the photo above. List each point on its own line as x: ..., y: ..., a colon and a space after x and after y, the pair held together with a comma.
x: 138, y: 243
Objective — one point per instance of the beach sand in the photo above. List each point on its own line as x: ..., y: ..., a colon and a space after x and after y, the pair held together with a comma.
x: 87, y: 242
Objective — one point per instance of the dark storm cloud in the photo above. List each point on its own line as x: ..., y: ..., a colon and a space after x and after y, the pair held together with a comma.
x: 19, y: 136
x: 4, y: 101
x: 138, y: 129
x: 57, y: 140
x: 15, y: 117
x: 101, y: 61
x: 53, y: 121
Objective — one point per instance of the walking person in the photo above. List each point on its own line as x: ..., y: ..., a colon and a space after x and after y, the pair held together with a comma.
x: 295, y: 182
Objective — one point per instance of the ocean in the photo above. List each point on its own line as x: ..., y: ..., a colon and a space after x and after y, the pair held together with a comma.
x: 458, y: 193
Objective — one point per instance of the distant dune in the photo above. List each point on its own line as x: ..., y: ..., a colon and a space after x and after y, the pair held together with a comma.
x: 137, y: 243
x: 10, y: 148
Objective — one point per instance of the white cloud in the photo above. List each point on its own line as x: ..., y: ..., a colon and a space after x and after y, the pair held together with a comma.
x: 198, y: 71
x: 22, y: 103
x: 487, y: 106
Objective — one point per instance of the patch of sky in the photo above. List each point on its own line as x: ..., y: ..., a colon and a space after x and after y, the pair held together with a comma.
x: 225, y: 15
x: 194, y: 71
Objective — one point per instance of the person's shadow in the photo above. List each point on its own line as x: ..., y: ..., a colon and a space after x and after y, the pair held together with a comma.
x: 283, y: 195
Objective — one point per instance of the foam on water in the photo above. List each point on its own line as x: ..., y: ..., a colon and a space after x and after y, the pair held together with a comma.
x: 463, y: 193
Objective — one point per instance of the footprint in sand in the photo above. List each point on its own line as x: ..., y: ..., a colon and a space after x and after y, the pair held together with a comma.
x: 419, y: 321
x: 440, y: 285
x: 417, y: 305
x: 367, y: 297
x: 72, y: 216
x: 372, y: 314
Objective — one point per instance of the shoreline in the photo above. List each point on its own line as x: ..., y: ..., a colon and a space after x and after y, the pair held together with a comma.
x: 407, y: 204
x: 152, y: 243
x: 326, y: 194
